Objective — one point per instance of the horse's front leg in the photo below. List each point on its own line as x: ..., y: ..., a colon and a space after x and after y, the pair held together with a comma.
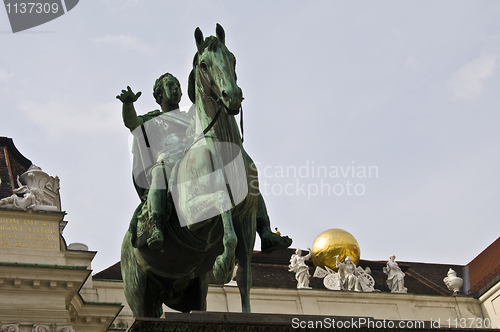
x: 245, y: 228
x: 224, y: 263
x: 244, y: 281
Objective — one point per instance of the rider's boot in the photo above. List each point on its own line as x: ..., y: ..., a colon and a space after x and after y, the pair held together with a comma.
x: 156, y: 207
x: 155, y: 241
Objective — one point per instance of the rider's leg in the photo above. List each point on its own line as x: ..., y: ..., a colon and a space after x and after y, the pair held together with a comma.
x: 157, y: 207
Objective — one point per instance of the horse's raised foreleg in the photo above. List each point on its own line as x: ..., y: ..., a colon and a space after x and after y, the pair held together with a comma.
x: 224, y: 263
x: 198, y: 208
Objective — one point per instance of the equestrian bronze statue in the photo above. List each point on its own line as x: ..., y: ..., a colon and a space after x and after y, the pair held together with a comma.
x: 200, y: 204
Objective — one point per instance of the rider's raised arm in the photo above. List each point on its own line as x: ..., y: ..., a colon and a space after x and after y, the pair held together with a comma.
x: 130, y: 118
x: 129, y: 114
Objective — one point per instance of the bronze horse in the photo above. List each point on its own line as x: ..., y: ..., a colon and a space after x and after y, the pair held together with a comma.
x: 208, y: 181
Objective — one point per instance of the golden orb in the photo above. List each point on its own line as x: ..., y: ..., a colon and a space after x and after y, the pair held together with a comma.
x: 331, y: 243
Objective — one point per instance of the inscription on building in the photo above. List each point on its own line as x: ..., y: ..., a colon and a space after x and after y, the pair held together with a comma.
x: 19, y: 233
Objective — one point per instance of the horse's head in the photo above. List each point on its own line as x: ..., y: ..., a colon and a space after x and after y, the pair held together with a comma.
x: 214, y: 72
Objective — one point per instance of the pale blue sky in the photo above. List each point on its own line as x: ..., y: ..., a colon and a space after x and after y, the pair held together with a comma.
x: 410, y: 87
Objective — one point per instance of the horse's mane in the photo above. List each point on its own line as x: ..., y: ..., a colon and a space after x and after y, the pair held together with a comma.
x: 212, y: 43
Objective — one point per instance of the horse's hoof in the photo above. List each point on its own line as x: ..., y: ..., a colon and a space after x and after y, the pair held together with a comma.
x: 273, y: 242
x: 223, y: 272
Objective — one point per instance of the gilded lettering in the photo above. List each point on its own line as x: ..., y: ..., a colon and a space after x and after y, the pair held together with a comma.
x: 31, y: 222
x: 8, y: 228
x: 13, y: 244
x: 8, y: 236
x: 9, y: 221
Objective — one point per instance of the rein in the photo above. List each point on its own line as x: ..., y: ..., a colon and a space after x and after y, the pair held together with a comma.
x: 216, y: 117
x: 214, y: 120
x: 241, y: 123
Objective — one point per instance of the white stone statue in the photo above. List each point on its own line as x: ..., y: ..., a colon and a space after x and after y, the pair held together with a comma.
x: 347, y: 271
x: 453, y: 282
x: 366, y: 283
x: 354, y: 278
x: 298, y: 265
x: 395, y: 277
x: 39, y: 192
x: 349, y: 277
x: 15, y: 202
x: 331, y: 278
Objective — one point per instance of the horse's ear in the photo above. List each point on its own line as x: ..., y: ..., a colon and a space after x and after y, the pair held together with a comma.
x: 221, y: 35
x: 198, y: 36
x: 191, y: 87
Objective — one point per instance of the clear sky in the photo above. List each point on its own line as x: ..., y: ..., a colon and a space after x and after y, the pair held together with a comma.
x: 408, y: 90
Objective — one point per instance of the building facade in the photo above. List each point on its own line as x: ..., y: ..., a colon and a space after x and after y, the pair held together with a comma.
x: 46, y: 285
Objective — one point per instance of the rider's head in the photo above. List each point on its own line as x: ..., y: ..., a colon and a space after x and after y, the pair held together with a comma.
x: 348, y: 259
x: 167, y: 86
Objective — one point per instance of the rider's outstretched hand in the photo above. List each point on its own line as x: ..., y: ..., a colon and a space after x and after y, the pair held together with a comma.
x: 127, y: 96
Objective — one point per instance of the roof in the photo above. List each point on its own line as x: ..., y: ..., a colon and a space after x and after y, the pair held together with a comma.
x: 271, y: 271
x: 12, y: 165
x: 485, y: 267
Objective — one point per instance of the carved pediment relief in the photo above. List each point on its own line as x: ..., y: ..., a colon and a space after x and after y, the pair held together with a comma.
x: 36, y: 191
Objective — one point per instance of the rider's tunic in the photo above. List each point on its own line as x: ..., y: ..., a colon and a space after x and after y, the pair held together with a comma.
x: 158, y: 143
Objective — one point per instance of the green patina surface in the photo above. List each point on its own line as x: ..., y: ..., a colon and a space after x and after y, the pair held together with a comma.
x: 162, y: 261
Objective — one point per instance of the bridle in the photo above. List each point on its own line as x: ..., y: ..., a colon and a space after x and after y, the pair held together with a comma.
x: 214, y: 120
x: 217, y: 114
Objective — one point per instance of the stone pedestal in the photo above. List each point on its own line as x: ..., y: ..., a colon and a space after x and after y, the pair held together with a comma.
x: 235, y: 322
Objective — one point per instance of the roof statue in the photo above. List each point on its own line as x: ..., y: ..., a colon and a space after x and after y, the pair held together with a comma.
x: 453, y: 282
x: 395, y: 277
x: 299, y: 266
x: 36, y: 191
x: 348, y: 278
x: 200, y: 204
